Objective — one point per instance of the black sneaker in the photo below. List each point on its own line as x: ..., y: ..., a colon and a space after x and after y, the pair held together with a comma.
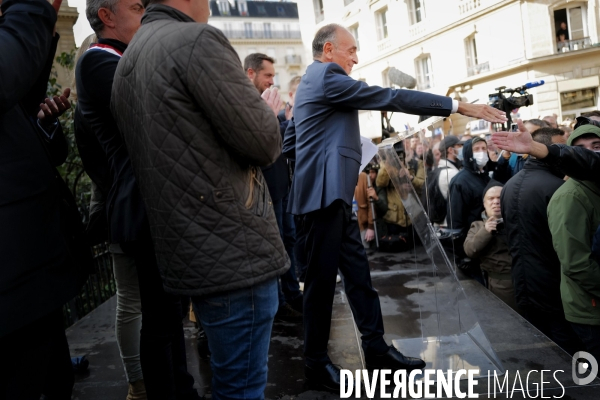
x: 287, y: 314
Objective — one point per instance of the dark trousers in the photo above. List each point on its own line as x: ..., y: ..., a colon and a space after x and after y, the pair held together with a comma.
x: 162, y: 346
x: 36, y: 361
x: 289, y: 289
x: 556, y: 327
x: 590, y: 336
x: 330, y: 239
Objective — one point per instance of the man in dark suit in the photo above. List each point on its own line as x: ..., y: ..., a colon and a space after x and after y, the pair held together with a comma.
x: 324, y: 140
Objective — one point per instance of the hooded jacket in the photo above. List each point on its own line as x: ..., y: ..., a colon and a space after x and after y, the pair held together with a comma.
x: 196, y: 130
x: 465, y: 201
x: 535, y: 265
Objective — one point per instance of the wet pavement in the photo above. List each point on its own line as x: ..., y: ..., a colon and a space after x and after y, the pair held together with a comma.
x: 416, y: 303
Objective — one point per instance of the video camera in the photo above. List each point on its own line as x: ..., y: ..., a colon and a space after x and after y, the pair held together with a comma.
x: 508, y: 104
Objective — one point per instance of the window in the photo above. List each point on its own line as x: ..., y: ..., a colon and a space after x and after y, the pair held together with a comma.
x: 570, y: 25
x: 319, y: 13
x: 281, y: 11
x: 228, y: 31
x: 424, y: 72
x: 223, y: 7
x: 471, y: 51
x: 286, y: 31
x: 248, y: 30
x: 261, y: 10
x: 573, y: 104
x: 267, y: 30
x: 416, y: 11
x: 276, y: 80
x: 381, y: 20
x: 243, y: 8
x: 354, y: 31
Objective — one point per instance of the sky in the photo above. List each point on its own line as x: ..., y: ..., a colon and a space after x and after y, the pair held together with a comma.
x: 82, y: 27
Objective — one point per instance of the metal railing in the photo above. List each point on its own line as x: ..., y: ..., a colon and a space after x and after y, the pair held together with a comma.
x: 99, y: 287
x: 573, y: 45
x: 261, y: 34
x: 478, y: 68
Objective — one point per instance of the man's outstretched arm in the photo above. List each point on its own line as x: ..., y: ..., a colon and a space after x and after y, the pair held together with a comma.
x: 576, y: 162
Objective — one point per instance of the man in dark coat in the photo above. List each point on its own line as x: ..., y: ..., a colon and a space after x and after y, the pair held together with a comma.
x: 37, y: 274
x: 535, y: 265
x: 160, y: 346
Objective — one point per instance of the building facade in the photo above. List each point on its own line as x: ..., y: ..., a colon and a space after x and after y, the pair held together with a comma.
x: 67, y: 16
x: 268, y: 27
x: 467, y: 48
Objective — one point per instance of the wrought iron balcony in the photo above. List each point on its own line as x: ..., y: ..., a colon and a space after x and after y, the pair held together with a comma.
x: 261, y: 34
x: 573, y: 45
x: 478, y: 68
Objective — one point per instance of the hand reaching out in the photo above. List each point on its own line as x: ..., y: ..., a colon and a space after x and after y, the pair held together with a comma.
x: 55, y: 107
x: 369, y: 235
x: 481, y: 111
x: 516, y: 142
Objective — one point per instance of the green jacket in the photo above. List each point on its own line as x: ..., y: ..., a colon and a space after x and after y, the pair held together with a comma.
x: 573, y: 217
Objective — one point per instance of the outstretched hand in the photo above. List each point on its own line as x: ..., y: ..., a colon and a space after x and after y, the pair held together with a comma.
x: 481, y: 111
x: 55, y: 107
x: 273, y: 99
x: 516, y: 142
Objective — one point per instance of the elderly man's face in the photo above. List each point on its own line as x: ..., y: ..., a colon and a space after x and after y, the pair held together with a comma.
x: 127, y: 18
x: 343, y: 51
x: 262, y: 79
x: 491, y: 202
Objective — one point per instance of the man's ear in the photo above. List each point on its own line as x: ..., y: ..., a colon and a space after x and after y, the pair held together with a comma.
x: 107, y: 17
x: 250, y: 73
x: 328, y: 49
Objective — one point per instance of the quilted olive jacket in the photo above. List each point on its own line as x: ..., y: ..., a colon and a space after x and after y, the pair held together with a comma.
x: 196, y: 130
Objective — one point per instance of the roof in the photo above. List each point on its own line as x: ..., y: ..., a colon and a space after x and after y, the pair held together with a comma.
x: 258, y: 9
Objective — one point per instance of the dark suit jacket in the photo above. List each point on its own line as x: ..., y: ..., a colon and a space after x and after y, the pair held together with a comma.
x: 324, y: 135
x: 103, y: 152
x: 277, y: 174
x: 35, y: 270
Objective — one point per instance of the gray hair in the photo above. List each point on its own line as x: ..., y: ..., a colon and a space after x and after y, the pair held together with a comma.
x: 324, y: 35
x: 91, y: 11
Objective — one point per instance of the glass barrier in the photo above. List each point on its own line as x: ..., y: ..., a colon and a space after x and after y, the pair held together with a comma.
x: 449, y: 334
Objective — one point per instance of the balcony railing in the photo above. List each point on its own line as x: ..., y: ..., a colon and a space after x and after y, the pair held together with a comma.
x: 384, y: 45
x: 293, y: 59
x: 417, y: 29
x: 252, y: 34
x: 477, y: 69
x: 573, y: 45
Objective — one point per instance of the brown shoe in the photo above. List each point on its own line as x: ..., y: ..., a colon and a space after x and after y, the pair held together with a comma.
x: 137, y: 391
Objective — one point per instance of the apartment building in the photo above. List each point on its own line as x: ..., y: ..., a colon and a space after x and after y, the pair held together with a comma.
x: 467, y: 48
x: 269, y: 27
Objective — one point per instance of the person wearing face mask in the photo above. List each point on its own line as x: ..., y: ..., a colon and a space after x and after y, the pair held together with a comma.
x: 535, y: 266
x: 573, y: 218
x: 465, y: 199
x: 487, y: 242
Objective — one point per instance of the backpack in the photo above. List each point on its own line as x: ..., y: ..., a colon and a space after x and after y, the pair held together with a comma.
x: 437, y: 203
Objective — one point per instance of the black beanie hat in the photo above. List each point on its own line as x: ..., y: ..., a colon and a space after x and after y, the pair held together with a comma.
x: 492, y: 183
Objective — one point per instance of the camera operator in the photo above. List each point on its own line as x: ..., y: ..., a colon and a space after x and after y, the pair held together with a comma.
x: 487, y: 242
x: 535, y: 267
x: 573, y: 217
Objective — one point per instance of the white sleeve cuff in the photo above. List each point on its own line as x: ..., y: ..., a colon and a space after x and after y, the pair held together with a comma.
x: 53, y: 127
x: 454, y: 106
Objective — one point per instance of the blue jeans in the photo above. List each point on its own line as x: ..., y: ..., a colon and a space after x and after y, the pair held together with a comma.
x: 289, y: 289
x: 238, y: 327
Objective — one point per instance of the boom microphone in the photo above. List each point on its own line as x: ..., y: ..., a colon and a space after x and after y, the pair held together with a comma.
x: 401, y: 79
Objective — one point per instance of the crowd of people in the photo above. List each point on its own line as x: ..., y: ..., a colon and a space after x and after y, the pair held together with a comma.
x: 211, y: 192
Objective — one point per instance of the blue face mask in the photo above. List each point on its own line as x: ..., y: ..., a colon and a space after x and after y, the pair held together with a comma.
x: 459, y: 155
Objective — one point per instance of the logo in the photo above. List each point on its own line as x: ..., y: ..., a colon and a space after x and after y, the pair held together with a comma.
x: 580, y: 368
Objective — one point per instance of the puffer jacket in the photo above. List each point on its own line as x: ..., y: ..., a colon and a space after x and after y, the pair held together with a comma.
x: 197, y: 130
x: 576, y: 162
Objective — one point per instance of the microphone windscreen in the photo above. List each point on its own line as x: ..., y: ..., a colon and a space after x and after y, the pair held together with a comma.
x: 401, y: 79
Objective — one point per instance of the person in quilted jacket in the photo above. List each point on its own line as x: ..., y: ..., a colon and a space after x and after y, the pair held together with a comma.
x: 197, y: 132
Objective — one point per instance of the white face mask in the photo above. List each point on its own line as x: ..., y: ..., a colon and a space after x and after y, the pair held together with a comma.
x: 482, y: 158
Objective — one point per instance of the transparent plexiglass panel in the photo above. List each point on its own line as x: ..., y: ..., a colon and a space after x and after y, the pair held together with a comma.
x: 450, y: 335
